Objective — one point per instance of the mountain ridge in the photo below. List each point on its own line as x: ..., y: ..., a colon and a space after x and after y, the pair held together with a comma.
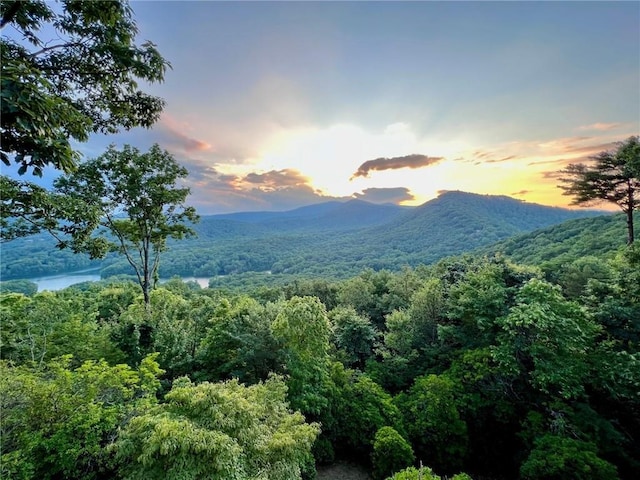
x: 333, y: 239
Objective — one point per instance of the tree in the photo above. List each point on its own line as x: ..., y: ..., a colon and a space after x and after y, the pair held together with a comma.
x: 614, y: 177
x: 68, y: 74
x: 238, y: 343
x: 557, y: 458
x: 391, y: 453
x: 433, y: 423
x: 58, y: 421
x: 303, y: 329
x: 354, y: 335
x: 134, y: 207
x: 217, y: 430
x: 547, y: 341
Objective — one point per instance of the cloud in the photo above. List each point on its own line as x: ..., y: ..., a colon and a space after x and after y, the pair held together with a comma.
x: 215, y: 192
x: 485, y: 156
x: 408, y: 161
x: 552, y: 174
x: 520, y: 193
x: 600, y: 126
x: 276, y: 179
x: 385, y: 195
x: 173, y: 134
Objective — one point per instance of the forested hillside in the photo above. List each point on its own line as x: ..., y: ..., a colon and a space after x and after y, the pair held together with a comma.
x: 332, y: 239
x: 558, y: 244
x: 474, y: 365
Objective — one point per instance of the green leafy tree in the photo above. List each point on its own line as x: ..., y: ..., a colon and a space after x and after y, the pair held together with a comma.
x: 558, y: 458
x: 70, y: 72
x: 134, y: 206
x: 47, y: 325
x: 613, y: 177
x: 546, y: 340
x: 26, y: 287
x: 391, y: 453
x: 303, y: 330
x: 423, y: 473
x: 362, y: 408
x: 57, y: 422
x: 397, y: 354
x: 216, y: 431
x: 238, y: 342
x: 433, y: 423
x: 354, y: 336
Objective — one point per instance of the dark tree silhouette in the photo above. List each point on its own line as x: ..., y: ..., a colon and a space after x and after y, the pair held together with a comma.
x: 613, y: 177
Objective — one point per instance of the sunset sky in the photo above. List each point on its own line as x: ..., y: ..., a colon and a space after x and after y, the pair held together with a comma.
x: 276, y: 105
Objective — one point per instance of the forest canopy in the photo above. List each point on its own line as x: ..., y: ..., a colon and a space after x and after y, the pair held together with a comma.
x: 474, y: 364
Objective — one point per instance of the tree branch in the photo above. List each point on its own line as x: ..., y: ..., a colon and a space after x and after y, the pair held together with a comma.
x: 10, y: 14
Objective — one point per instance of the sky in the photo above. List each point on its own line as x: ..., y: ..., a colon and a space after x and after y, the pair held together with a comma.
x: 275, y: 105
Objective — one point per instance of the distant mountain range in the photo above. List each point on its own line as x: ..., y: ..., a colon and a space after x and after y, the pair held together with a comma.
x: 334, y: 239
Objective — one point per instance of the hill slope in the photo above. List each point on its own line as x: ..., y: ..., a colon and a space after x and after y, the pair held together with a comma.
x: 457, y: 221
x: 331, y: 239
x: 600, y: 236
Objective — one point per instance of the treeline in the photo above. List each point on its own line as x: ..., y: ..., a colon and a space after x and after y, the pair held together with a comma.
x: 474, y: 364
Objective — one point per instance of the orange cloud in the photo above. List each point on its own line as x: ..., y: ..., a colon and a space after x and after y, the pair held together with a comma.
x: 174, y: 134
x: 600, y: 126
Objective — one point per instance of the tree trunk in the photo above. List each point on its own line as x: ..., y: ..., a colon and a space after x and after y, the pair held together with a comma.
x: 630, y: 206
x: 146, y: 287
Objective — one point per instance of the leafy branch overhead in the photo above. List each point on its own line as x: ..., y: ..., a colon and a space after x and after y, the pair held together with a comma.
x: 68, y: 74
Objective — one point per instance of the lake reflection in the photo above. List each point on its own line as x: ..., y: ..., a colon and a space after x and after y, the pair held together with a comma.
x: 58, y: 282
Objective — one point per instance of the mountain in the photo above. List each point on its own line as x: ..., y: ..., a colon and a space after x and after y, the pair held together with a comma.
x: 327, y: 216
x: 602, y: 236
x: 459, y: 221
x: 454, y: 223
x: 334, y: 239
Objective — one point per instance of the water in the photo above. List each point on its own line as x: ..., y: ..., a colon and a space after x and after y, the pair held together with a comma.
x: 58, y: 282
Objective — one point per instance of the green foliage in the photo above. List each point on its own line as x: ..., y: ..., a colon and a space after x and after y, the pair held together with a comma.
x: 303, y: 329
x: 239, y: 342
x: 397, y: 355
x: 212, y: 431
x: 423, y: 473
x: 354, y: 336
x: 74, y: 71
x: 57, y: 421
x: 552, y: 247
x: 39, y: 328
x: 485, y: 360
x: 143, y: 187
x: 433, y: 423
x: 558, y: 458
x: 547, y: 339
x: 391, y: 453
x: 359, y: 408
x: 584, y: 274
x: 19, y: 286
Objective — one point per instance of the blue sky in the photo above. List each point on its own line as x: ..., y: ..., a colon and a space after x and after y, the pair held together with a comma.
x: 273, y: 105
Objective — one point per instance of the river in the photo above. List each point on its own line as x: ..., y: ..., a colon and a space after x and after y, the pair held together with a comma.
x: 58, y: 282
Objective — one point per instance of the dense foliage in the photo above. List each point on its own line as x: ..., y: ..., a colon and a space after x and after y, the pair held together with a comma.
x: 68, y: 72
x: 474, y: 364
